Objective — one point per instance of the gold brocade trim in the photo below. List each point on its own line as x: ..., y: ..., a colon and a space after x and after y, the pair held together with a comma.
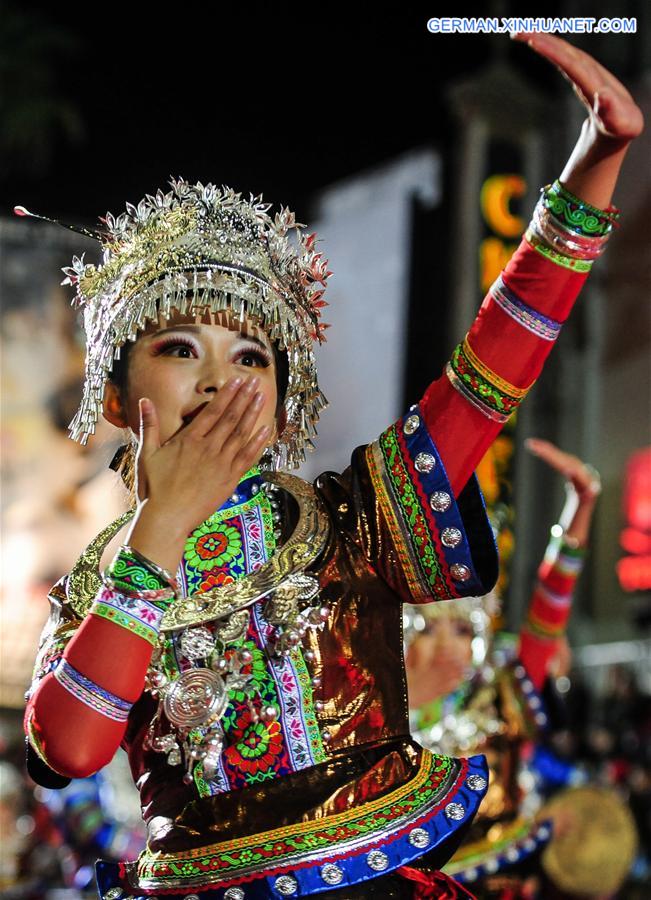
x: 400, y: 536
x: 306, y: 543
x: 496, y: 380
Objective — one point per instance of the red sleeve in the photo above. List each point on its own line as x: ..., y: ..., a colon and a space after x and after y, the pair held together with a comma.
x: 71, y: 738
x: 549, y: 611
x: 544, y: 290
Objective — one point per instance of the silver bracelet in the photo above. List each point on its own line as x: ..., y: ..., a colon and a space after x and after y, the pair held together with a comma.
x: 157, y: 570
x: 564, y: 241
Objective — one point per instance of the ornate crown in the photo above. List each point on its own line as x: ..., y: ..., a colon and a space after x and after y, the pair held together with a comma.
x: 197, y: 248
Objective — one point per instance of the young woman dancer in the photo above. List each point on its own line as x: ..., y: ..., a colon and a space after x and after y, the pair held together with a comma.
x: 244, y: 645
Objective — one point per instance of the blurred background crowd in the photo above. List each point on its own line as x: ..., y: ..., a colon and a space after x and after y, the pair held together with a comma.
x: 417, y: 158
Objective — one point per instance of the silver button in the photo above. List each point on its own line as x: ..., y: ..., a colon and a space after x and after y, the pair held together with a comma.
x: 191, y: 897
x: 440, y: 501
x: 476, y: 782
x: 451, y: 537
x: 377, y: 860
x: 529, y: 845
x: 470, y: 874
x: 412, y: 424
x: 491, y: 865
x: 460, y: 572
x: 234, y: 893
x: 455, y: 811
x: 286, y: 885
x: 418, y: 837
x: 512, y: 854
x: 332, y: 873
x: 425, y: 462
x: 540, y: 719
x: 114, y: 894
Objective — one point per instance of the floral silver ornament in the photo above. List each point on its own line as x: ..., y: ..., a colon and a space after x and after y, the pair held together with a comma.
x: 424, y: 463
x: 455, y: 811
x: 411, y: 426
x: 460, y: 572
x: 476, y: 782
x: 197, y: 643
x: 377, y: 860
x: 197, y: 697
x: 440, y: 501
x: 332, y: 873
x: 286, y: 885
x: 419, y: 838
x: 451, y: 537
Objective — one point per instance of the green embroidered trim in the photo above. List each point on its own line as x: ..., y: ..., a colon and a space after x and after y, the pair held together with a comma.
x: 576, y: 265
x: 240, y: 856
x: 486, y: 392
x: 412, y: 517
x: 124, y: 620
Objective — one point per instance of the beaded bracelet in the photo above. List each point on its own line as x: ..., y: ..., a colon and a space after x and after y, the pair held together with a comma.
x: 565, y: 241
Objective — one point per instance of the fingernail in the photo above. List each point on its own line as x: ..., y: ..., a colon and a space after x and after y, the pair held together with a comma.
x: 236, y: 382
x: 258, y: 400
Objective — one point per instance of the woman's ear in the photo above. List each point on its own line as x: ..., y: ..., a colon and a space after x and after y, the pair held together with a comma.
x: 113, y: 410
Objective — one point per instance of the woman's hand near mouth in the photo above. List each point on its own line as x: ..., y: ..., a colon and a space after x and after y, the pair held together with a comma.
x: 181, y: 482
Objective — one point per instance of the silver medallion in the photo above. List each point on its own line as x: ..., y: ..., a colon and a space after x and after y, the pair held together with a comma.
x: 114, y: 894
x: 377, y: 860
x: 476, y: 782
x: 425, y: 462
x: 440, y: 501
x: 332, y: 873
x: 460, y: 572
x: 419, y: 838
x: 412, y: 424
x: 286, y: 885
x: 234, y: 893
x: 455, y: 811
x: 196, y: 697
x: 197, y: 643
x: 451, y: 537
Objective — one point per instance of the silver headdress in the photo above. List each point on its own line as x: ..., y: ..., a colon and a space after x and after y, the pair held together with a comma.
x: 198, y: 248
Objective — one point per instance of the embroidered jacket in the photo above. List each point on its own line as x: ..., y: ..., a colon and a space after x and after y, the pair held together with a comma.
x: 334, y: 791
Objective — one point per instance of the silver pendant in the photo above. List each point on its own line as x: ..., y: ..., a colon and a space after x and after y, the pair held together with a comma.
x: 197, y: 643
x: 197, y: 697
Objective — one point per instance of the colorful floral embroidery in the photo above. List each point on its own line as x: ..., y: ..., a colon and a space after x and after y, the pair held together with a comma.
x: 211, y: 546
x: 257, y: 747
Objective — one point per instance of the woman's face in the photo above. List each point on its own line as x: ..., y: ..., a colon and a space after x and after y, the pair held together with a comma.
x: 439, y: 658
x: 181, y: 363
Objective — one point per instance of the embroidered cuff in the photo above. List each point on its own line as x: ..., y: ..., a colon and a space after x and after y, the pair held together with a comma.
x: 94, y: 696
x: 422, y: 515
x: 487, y: 391
x: 135, y: 614
x: 133, y: 574
x: 541, y: 326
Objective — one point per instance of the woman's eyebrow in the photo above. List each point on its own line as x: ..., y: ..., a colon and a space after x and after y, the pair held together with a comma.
x: 251, y: 337
x: 195, y: 329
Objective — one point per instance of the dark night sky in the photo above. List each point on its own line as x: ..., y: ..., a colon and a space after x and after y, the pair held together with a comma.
x: 273, y: 98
